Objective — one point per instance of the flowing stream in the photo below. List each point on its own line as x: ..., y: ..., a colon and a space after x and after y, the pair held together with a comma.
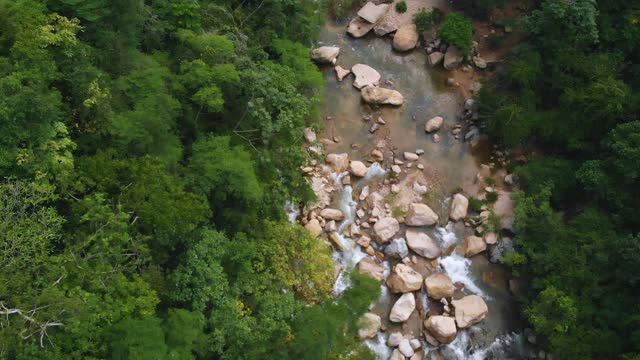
x: 449, y: 163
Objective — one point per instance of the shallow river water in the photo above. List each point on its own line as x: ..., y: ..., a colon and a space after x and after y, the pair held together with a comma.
x: 450, y: 165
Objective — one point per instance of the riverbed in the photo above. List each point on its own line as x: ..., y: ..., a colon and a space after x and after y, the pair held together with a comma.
x: 449, y: 164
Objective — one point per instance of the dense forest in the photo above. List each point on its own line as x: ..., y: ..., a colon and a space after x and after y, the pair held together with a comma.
x: 147, y: 149
x: 570, y: 96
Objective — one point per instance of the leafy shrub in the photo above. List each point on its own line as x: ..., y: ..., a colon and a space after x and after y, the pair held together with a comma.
x: 492, y: 197
x: 476, y: 204
x: 424, y: 19
x: 401, y: 7
x: 457, y: 31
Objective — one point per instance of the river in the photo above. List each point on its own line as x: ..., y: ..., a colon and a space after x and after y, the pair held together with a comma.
x: 449, y: 164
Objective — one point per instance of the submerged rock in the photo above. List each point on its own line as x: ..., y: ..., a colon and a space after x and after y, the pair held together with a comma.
x: 403, y: 308
x: 325, y: 54
x: 434, y: 124
x: 470, y: 310
x: 341, y: 72
x: 379, y: 96
x: 365, y: 75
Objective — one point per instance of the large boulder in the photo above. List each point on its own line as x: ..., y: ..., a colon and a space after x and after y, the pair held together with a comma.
x: 313, y: 226
x: 332, y: 214
x: 452, y: 58
x: 469, y: 310
x: 397, y: 355
x: 404, y: 279
x: 370, y: 267
x: 338, y: 162
x: 420, y: 215
x: 439, y: 285
x: 459, y: 207
x: 379, y: 96
x: 325, y: 54
x: 372, y: 13
x: 365, y: 75
x: 435, y: 58
x: 357, y: 168
x: 368, y: 326
x: 434, y: 124
x: 443, y: 328
x: 385, y: 228
x: 397, y: 249
x: 406, y: 38
x: 422, y: 244
x: 472, y: 246
x: 359, y: 27
x: 403, y: 308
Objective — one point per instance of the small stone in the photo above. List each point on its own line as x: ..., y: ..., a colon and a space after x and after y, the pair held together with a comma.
x: 346, y: 180
x: 419, y: 151
x: 420, y: 166
x: 341, y: 72
x: 434, y: 124
x: 377, y: 155
x: 415, y: 344
x: 381, y: 121
x: 394, y: 339
x: 405, y: 348
x: 436, y: 138
x: 396, y: 169
x: 410, y: 156
x: 374, y: 128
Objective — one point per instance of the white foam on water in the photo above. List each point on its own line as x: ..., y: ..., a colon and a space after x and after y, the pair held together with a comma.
x: 446, y: 235
x: 459, y: 270
x: 292, y: 211
x: 374, y: 171
x: 504, y: 347
x: 378, y: 346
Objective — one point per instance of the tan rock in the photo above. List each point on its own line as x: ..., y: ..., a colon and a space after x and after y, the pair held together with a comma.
x: 370, y: 267
x: 405, y: 38
x: 420, y: 215
x: 369, y: 325
x: 372, y: 13
x: 325, y: 54
x: 452, y: 58
x: 472, y: 245
x: 403, y: 308
x: 314, y: 227
x: 434, y: 124
x: 439, y: 285
x: 396, y: 355
x: 459, y: 207
x: 404, y: 279
x: 357, y: 168
x: 470, y: 310
x: 491, y: 238
x: 385, y: 228
x: 359, y: 27
x: 442, y: 328
x: 332, y: 214
x: 379, y: 96
x: 435, y: 58
x: 365, y: 76
x: 341, y: 72
x: 422, y: 244
x: 338, y: 162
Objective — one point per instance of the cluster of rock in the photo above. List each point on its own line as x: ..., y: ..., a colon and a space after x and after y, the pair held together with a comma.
x: 451, y: 57
x: 366, y: 78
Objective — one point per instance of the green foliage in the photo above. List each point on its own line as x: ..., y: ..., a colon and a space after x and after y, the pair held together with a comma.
x: 138, y: 339
x: 425, y: 20
x: 457, y: 31
x: 559, y: 23
x: 553, y: 313
x: 476, y: 204
x: 401, y: 7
